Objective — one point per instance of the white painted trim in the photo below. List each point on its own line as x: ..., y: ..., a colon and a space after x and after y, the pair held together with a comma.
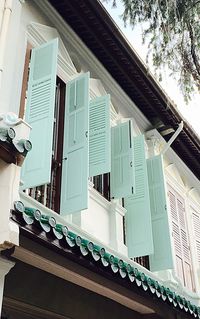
x: 195, y: 200
x: 6, y: 18
x: 159, y: 276
x: 72, y: 38
x: 172, y: 139
x: 95, y: 195
x: 5, y: 267
x: 190, y: 180
x: 170, y: 179
x: 30, y: 202
x: 9, y: 186
x: 66, y: 70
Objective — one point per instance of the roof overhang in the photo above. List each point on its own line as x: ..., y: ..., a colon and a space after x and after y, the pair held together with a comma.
x: 97, y: 30
x: 48, y: 246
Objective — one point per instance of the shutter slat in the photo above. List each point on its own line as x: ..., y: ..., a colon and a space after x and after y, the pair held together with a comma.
x: 36, y: 169
x: 162, y: 257
x: 122, y: 161
x: 172, y: 201
x: 138, y: 216
x: 181, y: 213
x: 99, y: 136
x: 176, y: 239
x: 74, y: 187
x: 198, y: 250
x: 180, y: 238
x: 196, y: 227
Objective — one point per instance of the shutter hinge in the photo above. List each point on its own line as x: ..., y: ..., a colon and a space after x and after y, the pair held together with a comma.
x: 56, y: 164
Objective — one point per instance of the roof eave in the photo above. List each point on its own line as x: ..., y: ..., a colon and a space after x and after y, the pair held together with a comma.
x: 95, y: 27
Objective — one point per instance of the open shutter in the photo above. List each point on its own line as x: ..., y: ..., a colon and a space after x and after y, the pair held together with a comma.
x: 74, y: 187
x: 99, y: 136
x: 36, y: 169
x: 138, y: 216
x: 122, y: 161
x: 162, y: 257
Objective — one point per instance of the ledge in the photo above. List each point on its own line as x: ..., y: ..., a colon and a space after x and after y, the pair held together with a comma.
x: 48, y: 230
x: 10, y: 150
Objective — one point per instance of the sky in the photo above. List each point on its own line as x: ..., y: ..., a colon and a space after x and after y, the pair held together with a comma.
x: 190, y: 112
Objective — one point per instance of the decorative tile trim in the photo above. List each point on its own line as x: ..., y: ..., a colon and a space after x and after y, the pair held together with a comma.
x: 48, y: 224
x: 10, y: 149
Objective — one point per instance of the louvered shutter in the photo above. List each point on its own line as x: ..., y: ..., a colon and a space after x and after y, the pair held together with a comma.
x: 74, y: 186
x: 36, y: 169
x: 180, y: 238
x: 196, y: 227
x: 122, y: 160
x: 138, y: 216
x: 176, y: 235
x: 162, y: 257
x: 99, y: 136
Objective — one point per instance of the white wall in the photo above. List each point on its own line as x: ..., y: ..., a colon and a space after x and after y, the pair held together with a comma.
x: 22, y: 16
x: 10, y: 76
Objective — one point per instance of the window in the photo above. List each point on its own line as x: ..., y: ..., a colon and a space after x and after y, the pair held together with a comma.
x: 25, y: 81
x: 143, y: 261
x: 49, y: 194
x: 162, y: 257
x: 73, y: 141
x: 180, y: 239
x: 102, y: 185
x: 56, y: 173
x: 196, y: 228
x: 138, y: 226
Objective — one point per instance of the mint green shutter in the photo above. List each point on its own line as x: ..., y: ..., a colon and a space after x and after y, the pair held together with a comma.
x: 122, y: 160
x: 162, y: 258
x: 36, y: 169
x: 75, y: 165
x: 99, y: 136
x: 139, y: 238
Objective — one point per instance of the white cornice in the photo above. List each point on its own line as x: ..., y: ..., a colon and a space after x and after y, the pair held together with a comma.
x: 38, y: 34
x: 71, y: 37
x: 5, y: 266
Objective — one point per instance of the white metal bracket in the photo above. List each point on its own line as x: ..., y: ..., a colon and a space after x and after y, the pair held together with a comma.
x: 171, y: 140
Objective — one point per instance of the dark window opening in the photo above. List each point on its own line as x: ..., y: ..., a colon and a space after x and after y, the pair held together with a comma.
x: 102, y: 185
x: 49, y: 194
x: 143, y: 261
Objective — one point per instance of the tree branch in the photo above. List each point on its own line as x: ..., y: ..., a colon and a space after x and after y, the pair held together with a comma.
x: 193, y: 51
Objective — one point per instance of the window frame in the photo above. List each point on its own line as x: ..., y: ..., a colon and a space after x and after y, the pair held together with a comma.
x: 38, y: 193
x: 179, y: 197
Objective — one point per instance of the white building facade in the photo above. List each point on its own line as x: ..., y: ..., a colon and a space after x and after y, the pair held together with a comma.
x: 101, y: 163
